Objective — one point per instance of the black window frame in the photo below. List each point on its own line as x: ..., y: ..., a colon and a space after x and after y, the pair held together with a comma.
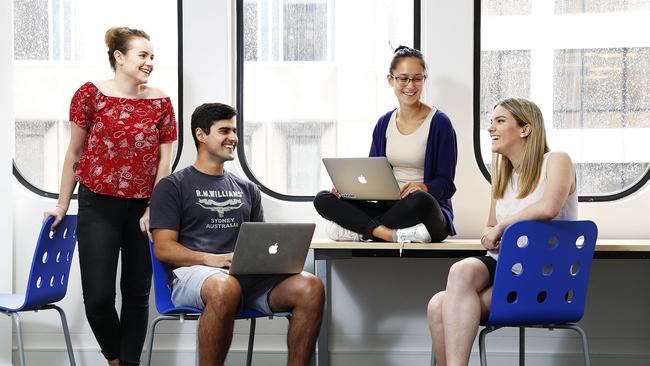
x: 477, y: 122
x: 241, y: 154
x: 179, y: 112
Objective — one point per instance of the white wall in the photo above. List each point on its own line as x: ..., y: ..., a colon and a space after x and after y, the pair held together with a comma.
x: 370, y: 324
x: 6, y: 215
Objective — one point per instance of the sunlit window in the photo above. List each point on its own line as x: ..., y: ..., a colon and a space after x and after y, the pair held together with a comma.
x: 314, y: 84
x: 506, y: 7
x: 59, y: 45
x: 586, y: 63
x: 599, y: 6
x: 511, y: 78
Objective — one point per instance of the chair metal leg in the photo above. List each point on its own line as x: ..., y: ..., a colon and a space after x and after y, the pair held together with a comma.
x: 522, y: 346
x: 251, y: 339
x: 150, y: 334
x: 197, y: 352
x: 19, y: 335
x: 583, y: 338
x: 66, y: 333
x: 481, y: 343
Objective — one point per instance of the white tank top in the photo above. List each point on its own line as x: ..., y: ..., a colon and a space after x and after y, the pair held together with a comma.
x: 405, y: 153
x: 510, y: 205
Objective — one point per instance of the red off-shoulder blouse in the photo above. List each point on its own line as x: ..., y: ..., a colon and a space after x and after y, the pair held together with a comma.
x: 120, y: 154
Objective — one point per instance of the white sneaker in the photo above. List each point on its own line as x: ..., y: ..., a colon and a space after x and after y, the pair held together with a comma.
x: 338, y: 233
x: 413, y: 234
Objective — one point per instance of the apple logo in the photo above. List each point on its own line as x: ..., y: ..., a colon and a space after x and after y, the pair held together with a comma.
x: 273, y: 249
x: 362, y: 179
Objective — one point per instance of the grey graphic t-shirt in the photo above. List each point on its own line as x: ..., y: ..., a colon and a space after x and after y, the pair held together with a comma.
x: 205, y: 210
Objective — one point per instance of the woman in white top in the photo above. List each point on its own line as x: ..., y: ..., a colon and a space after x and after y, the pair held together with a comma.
x: 528, y: 183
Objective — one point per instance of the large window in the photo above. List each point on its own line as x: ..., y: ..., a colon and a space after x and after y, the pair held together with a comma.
x: 59, y: 45
x: 586, y: 63
x: 312, y: 81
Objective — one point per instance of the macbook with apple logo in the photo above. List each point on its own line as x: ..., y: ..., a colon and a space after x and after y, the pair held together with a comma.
x: 271, y: 248
x: 369, y: 179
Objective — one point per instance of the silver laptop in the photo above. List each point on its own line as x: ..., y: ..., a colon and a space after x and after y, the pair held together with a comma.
x: 271, y: 248
x: 369, y: 179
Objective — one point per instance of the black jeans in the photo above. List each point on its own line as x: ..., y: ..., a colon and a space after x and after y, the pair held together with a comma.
x: 364, y: 216
x: 106, y: 227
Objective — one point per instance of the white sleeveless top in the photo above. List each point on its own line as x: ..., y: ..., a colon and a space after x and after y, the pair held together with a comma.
x: 405, y: 153
x: 510, y: 205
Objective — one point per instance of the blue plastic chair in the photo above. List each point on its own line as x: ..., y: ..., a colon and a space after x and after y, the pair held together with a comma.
x: 541, y: 279
x: 167, y: 310
x: 48, y: 279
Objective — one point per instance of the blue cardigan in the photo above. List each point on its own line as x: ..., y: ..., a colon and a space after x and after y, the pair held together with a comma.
x: 439, y: 161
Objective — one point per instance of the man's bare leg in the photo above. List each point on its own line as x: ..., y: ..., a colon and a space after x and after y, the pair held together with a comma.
x: 221, y: 295
x: 304, y: 295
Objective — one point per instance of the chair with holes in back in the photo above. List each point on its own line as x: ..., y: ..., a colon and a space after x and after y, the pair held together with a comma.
x: 167, y: 310
x: 48, y: 279
x: 541, y: 279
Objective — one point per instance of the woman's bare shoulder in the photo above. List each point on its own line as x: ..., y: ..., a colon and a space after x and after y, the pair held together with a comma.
x: 559, y: 158
x: 155, y: 93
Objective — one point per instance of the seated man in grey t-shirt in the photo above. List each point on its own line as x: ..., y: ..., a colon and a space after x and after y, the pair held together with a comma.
x: 195, y: 218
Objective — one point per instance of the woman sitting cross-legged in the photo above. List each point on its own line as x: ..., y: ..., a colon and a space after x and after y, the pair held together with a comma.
x: 420, y: 144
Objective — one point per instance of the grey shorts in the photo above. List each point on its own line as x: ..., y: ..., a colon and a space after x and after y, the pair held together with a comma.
x: 187, y: 283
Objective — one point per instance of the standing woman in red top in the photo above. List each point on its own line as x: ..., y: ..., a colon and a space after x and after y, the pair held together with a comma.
x: 120, y: 146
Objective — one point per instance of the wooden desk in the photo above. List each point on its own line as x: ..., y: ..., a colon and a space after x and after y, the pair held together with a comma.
x: 326, y: 250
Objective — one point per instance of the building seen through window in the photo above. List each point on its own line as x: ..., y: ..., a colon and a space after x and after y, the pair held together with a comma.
x: 285, y: 30
x: 591, y: 82
x: 600, y: 6
x: 314, y: 84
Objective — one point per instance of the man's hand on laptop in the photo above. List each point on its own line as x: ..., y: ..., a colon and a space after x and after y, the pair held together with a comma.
x: 218, y: 260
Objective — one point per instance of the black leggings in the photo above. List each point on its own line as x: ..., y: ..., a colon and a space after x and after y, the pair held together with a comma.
x: 364, y: 216
x: 106, y: 227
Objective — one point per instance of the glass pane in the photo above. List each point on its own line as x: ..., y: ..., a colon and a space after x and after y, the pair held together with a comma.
x: 505, y: 7
x: 593, y: 87
x: 315, y: 84
x: 305, y: 31
x: 59, y: 45
x: 596, y: 178
x: 504, y: 74
x: 602, y: 88
x: 31, y: 34
x: 599, y: 6
x: 251, y: 32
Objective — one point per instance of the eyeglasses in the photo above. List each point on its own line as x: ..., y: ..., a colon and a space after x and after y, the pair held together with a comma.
x: 403, y: 80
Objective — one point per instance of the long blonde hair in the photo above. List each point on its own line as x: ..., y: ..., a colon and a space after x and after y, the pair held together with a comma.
x: 525, y: 112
